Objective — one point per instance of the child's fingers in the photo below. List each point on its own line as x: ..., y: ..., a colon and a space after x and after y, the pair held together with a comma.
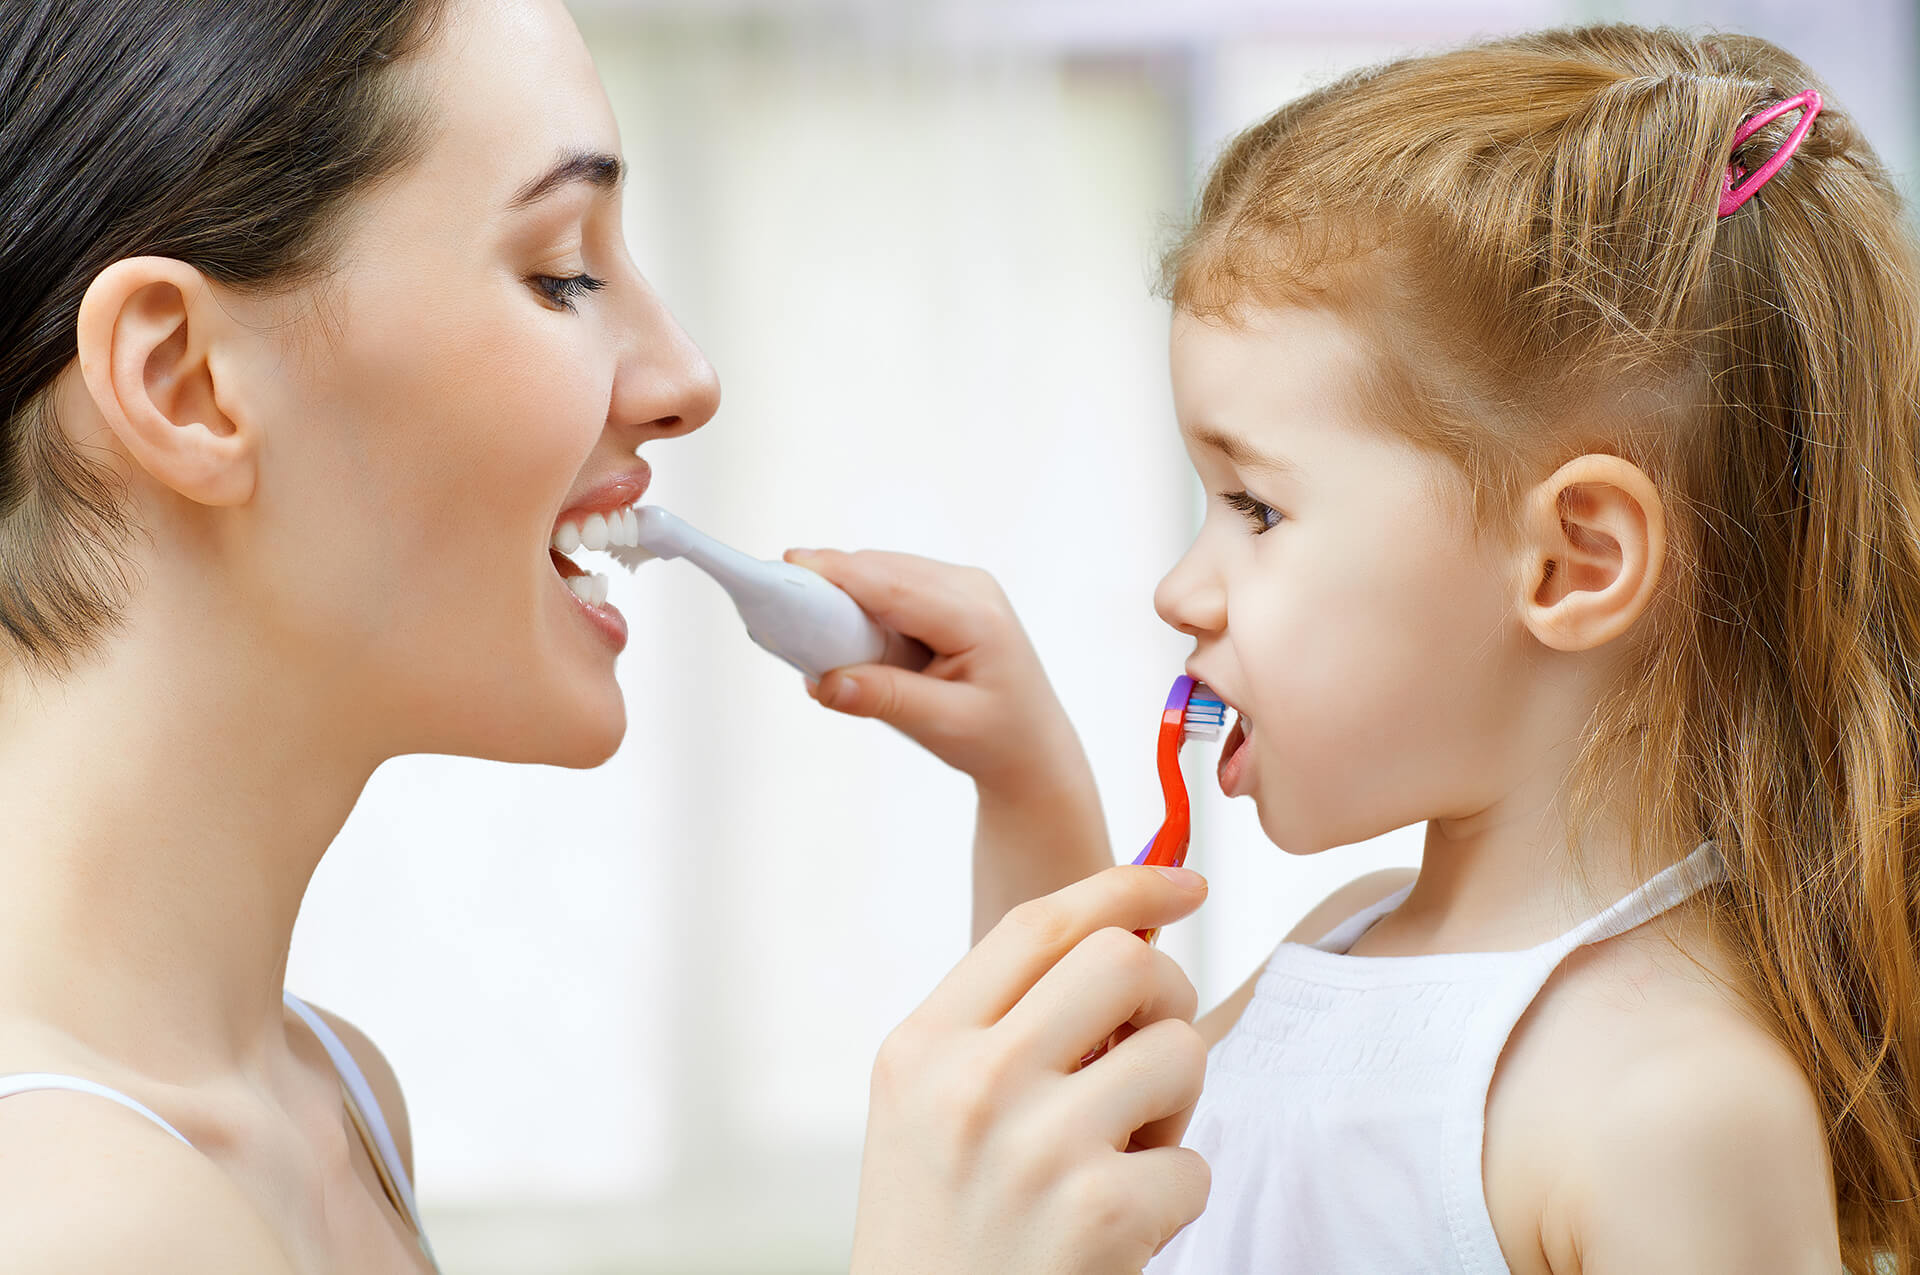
x: 925, y: 708
x: 1030, y: 940
x: 941, y: 604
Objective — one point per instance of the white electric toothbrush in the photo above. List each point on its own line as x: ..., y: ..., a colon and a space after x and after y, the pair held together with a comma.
x: 795, y: 613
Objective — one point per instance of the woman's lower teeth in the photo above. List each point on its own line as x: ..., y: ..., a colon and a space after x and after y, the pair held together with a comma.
x: 590, y: 588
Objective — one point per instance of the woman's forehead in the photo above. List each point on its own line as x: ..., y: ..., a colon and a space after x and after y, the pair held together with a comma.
x: 510, y: 89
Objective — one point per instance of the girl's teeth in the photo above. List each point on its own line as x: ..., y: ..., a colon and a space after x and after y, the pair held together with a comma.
x: 567, y: 538
x: 630, y: 523
x: 593, y: 532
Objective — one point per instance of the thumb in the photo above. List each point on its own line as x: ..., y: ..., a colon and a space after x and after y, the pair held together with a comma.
x: 910, y: 702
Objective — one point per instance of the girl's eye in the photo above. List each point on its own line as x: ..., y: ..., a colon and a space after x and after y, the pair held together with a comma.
x: 562, y: 290
x: 1265, y: 517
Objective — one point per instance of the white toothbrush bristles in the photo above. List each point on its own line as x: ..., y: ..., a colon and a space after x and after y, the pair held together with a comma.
x: 630, y: 556
x: 1206, y: 717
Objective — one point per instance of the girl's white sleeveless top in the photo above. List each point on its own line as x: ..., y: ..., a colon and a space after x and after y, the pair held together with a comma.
x: 1344, y: 1112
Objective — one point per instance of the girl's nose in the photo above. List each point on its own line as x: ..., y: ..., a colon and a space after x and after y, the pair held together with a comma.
x: 1190, y: 597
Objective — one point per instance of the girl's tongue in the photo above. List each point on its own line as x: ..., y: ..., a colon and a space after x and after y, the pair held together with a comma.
x: 1233, y: 754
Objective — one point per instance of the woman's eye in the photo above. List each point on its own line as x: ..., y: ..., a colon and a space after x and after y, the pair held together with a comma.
x: 563, y: 290
x: 1264, y: 516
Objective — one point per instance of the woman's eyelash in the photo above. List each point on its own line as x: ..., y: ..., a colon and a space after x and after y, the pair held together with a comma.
x: 562, y: 290
x: 1265, y: 517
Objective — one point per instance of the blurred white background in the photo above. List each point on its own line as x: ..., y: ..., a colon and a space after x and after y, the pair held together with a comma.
x: 634, y: 1009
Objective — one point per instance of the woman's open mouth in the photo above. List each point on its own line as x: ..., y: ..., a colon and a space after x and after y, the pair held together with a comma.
x: 595, y: 531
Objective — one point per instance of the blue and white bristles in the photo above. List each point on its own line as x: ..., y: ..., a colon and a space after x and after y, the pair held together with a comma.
x: 1206, y: 716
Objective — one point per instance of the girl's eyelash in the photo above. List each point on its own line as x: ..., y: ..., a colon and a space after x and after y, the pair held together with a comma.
x: 562, y: 290
x: 1258, y: 510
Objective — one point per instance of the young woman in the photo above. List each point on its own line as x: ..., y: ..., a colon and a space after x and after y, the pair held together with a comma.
x: 315, y: 322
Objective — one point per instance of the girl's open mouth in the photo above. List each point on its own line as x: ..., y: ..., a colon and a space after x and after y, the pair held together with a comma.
x: 1235, y: 751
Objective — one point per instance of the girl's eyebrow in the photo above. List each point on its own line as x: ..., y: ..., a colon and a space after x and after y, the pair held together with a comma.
x: 596, y: 168
x: 1237, y: 450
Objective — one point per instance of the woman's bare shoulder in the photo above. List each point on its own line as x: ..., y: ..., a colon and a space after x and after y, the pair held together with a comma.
x: 381, y: 1078
x: 88, y: 1187
x: 1359, y: 893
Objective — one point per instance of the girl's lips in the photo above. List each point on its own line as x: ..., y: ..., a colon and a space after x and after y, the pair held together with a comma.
x: 1235, y: 752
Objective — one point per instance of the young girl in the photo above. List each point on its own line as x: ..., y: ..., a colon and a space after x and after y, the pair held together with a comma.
x: 1557, y: 398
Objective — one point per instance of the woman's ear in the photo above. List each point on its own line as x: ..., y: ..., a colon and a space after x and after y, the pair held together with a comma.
x: 1595, y: 539
x: 145, y: 330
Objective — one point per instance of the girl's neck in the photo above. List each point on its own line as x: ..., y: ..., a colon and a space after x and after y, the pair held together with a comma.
x: 166, y: 804
x: 1501, y: 878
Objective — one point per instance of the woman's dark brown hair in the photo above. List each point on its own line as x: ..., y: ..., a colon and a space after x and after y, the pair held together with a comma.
x: 227, y: 135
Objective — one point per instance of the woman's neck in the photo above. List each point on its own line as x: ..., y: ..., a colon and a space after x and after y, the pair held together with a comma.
x: 166, y: 805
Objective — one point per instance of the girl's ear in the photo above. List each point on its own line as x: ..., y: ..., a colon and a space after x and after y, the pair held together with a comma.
x: 1595, y: 539
x: 146, y: 328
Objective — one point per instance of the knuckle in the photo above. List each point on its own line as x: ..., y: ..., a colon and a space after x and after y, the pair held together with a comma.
x: 1093, y: 1203
x: 1040, y: 922
x: 1121, y: 951
x: 1189, y: 1052
x: 967, y: 1099
x: 983, y: 586
x: 898, y: 1059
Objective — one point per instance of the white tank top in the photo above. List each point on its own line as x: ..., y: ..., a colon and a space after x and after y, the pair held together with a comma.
x: 361, y: 1106
x: 1343, y: 1114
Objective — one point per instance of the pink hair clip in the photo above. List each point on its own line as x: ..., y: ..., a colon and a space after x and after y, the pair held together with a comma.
x: 1732, y: 195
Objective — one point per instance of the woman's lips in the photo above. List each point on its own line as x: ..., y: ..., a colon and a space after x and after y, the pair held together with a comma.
x: 603, y: 617
x: 1235, y: 752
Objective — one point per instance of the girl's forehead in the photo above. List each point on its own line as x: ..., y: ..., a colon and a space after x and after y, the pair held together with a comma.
x: 1279, y: 380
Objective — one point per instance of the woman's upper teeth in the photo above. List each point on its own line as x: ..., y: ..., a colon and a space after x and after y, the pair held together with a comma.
x: 597, y: 531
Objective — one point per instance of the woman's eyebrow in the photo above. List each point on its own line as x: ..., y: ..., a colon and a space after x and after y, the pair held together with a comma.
x: 597, y: 168
x: 1239, y: 451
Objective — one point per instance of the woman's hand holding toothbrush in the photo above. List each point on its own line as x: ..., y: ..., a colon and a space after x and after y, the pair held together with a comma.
x: 983, y: 706
x: 990, y: 1150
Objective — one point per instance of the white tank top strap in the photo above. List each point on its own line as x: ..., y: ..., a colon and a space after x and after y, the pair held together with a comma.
x: 1342, y: 936
x: 1664, y: 890
x: 362, y: 1095
x: 32, y: 1081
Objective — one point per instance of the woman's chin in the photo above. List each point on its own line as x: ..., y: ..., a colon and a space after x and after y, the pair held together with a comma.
x: 583, y: 736
x: 594, y: 743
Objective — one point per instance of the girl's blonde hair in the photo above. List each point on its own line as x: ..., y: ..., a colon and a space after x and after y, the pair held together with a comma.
x: 1531, y: 226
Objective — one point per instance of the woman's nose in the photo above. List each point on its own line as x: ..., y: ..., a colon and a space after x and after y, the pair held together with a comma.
x: 664, y: 383
x: 1190, y: 597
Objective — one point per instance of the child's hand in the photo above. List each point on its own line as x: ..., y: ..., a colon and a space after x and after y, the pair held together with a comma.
x: 983, y: 705
x: 989, y: 1149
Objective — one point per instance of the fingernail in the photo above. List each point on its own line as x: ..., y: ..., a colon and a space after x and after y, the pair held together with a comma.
x: 813, y: 686
x: 799, y: 553
x: 1185, y: 878
x: 845, y: 691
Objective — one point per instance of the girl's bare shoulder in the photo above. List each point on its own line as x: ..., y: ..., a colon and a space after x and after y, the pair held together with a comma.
x: 1667, y: 1128
x: 87, y: 1186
